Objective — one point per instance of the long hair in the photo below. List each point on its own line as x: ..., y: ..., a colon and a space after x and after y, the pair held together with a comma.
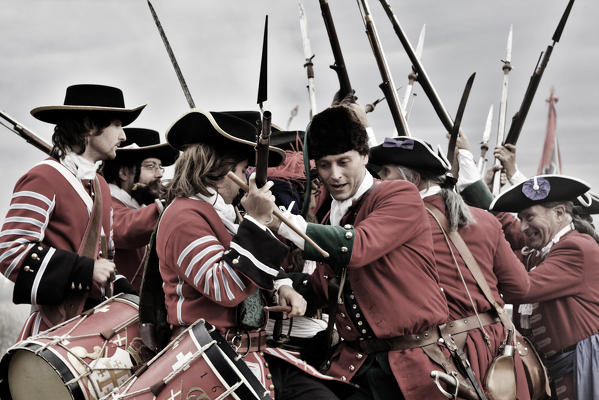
x: 199, y: 167
x: 580, y: 222
x: 457, y: 211
x: 71, y: 135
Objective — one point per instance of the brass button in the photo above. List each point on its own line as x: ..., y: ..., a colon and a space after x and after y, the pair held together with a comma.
x: 357, y: 315
x: 271, y: 387
x: 100, y: 253
x: 344, y: 249
x: 27, y: 269
x: 351, y: 296
x: 348, y: 235
x: 34, y: 256
x: 363, y: 330
x: 235, y: 260
x: 227, y: 251
x: 343, y: 378
x: 354, y: 306
x: 348, y: 327
x: 80, y: 287
x: 347, y: 226
x: 40, y: 248
x: 342, y: 315
x: 359, y: 356
x: 268, y: 376
x: 73, y: 285
x: 359, y: 323
x: 351, y: 367
x: 266, y: 364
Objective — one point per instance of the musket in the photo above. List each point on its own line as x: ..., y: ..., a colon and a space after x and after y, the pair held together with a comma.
x: 413, y: 76
x: 387, y: 86
x: 25, y: 133
x: 506, y: 67
x: 263, y: 140
x: 484, y: 144
x: 309, y: 56
x: 520, y: 116
x: 421, y: 75
x: 171, y: 55
x: 338, y: 66
x: 455, y: 131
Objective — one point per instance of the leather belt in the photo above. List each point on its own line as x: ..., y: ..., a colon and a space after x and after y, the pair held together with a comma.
x: 427, y: 337
x: 245, y: 342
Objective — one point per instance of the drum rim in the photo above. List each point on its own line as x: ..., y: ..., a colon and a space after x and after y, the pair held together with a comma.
x: 55, y: 361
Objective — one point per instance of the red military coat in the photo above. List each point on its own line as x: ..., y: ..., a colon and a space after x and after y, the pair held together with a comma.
x: 502, y: 271
x: 132, y: 230
x: 395, y: 283
x: 42, y: 233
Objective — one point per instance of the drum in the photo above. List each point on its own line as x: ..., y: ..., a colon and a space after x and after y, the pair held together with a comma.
x: 198, y: 364
x: 84, y: 358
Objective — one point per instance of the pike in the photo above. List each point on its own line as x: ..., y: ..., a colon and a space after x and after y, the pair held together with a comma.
x: 387, y: 86
x: 263, y: 140
x: 453, y: 135
x: 413, y: 75
x: 171, y: 55
x: 421, y: 75
x: 484, y: 144
x: 507, y: 67
x: 533, y: 84
x: 338, y: 66
x: 309, y: 56
x: 25, y: 133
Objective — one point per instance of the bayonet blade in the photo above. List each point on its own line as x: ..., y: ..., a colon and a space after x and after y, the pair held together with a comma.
x: 262, y: 85
x: 457, y: 122
x: 487, y: 131
x: 562, y: 22
x: 171, y: 55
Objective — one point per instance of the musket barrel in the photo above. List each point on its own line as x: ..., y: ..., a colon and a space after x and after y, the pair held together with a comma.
x: 262, y: 145
x: 26, y: 134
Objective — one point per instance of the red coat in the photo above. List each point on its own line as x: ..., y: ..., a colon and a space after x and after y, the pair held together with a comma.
x: 394, y: 280
x: 42, y: 233
x: 132, y: 230
x: 502, y: 271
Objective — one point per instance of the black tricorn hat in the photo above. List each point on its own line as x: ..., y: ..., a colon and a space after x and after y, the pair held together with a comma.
x: 89, y: 100
x: 410, y: 152
x: 336, y: 130
x: 144, y: 143
x: 538, y: 190
x: 230, y: 131
x: 287, y: 140
x: 588, y: 203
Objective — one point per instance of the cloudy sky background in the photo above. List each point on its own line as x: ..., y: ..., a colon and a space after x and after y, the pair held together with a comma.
x: 47, y: 45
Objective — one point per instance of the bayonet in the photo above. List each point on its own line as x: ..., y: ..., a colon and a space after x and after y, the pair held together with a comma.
x: 387, y: 86
x: 171, y: 55
x: 484, y: 144
x: 453, y: 134
x: 413, y: 76
x: 263, y: 139
x: 309, y: 56
x: 506, y: 67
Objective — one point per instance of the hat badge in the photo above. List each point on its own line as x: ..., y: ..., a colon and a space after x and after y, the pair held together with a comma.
x: 536, y: 188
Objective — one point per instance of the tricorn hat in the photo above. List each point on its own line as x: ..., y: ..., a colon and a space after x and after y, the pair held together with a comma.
x: 538, y: 190
x: 144, y: 143
x: 588, y: 203
x: 287, y: 140
x: 336, y: 130
x: 231, y: 131
x: 89, y: 100
x: 410, y: 152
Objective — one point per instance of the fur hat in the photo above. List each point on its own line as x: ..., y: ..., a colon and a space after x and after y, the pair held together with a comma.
x: 336, y: 130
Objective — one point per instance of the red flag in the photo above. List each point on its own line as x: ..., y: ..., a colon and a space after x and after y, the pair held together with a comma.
x: 551, y: 161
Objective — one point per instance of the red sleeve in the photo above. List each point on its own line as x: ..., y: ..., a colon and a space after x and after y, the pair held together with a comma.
x: 132, y: 228
x: 511, y: 229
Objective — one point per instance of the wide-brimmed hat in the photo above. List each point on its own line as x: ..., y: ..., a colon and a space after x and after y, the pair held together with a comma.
x: 89, y: 100
x: 287, y: 140
x: 538, y: 190
x: 410, y: 152
x: 229, y: 131
x: 145, y: 143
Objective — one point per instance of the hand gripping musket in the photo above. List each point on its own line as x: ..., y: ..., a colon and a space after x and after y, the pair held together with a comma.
x: 484, y: 143
x: 533, y: 84
x: 453, y: 135
x: 413, y: 76
x: 25, y: 133
x: 263, y: 140
x: 345, y: 88
x: 507, y: 67
x: 171, y: 55
x: 421, y: 75
x: 387, y: 86
x: 309, y: 56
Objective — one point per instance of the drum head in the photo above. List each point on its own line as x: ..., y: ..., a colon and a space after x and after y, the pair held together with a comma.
x: 30, y: 377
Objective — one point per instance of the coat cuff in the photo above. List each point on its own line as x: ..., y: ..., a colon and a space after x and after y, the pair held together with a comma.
x: 338, y: 241
x: 47, y: 274
x: 477, y: 195
x: 256, y: 253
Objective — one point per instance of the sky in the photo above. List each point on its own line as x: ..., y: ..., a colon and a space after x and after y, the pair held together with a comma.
x: 48, y: 45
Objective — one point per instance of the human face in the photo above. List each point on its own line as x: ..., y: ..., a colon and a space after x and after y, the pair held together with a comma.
x: 540, y: 224
x: 342, y: 173
x: 102, y: 146
x: 150, y: 173
x: 389, y: 172
x: 229, y: 189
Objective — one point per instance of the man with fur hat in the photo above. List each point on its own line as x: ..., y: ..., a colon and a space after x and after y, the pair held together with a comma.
x: 381, y: 265
x: 134, y: 180
x: 563, y: 315
x: 411, y: 159
x: 50, y: 239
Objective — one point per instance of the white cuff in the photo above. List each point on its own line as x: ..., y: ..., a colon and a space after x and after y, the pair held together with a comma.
x: 517, y: 178
x: 253, y: 220
x: 299, y: 222
x: 282, y: 282
x: 468, y: 170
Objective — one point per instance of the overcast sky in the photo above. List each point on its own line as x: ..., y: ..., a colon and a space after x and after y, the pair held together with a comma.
x: 47, y: 45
